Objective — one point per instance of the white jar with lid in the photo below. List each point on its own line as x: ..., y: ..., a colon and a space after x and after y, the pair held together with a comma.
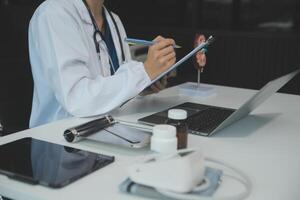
x: 164, y: 139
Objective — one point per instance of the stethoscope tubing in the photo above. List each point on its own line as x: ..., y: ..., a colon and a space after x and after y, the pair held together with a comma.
x: 97, y: 32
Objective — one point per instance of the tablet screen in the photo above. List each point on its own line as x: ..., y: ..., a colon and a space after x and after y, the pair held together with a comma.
x: 39, y: 162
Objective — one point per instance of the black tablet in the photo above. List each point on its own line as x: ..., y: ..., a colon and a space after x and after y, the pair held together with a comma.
x: 39, y: 162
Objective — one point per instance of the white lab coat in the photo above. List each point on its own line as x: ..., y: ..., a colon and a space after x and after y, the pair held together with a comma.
x: 69, y: 78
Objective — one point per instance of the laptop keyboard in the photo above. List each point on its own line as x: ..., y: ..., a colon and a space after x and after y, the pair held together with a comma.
x: 207, y: 120
x: 202, y: 119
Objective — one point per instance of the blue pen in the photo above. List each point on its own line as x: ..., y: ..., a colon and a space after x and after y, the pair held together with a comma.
x: 132, y: 41
x: 143, y: 42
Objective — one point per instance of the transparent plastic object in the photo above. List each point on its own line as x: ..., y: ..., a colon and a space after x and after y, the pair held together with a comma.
x: 193, y: 89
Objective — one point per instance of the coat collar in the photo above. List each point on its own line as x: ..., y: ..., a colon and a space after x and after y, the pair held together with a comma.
x: 82, y: 10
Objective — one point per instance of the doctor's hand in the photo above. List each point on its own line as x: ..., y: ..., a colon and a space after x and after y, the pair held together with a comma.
x: 158, y: 85
x: 161, y: 56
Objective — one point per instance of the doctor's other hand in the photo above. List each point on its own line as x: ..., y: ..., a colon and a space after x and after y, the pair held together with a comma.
x: 161, y: 56
x: 158, y: 85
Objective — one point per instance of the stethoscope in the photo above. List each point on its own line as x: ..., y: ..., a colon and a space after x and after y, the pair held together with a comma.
x: 98, y: 33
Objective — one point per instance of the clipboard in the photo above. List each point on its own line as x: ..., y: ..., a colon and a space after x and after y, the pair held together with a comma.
x: 201, y: 46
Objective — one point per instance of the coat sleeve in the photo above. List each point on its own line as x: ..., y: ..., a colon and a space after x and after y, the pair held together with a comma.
x: 64, y: 56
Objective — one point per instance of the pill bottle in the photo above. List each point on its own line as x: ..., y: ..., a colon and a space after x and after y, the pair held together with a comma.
x: 177, y: 118
x: 164, y: 139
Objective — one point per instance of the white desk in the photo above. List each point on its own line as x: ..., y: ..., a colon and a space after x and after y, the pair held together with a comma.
x: 265, y: 145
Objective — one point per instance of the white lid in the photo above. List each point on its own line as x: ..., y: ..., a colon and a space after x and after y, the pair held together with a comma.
x: 178, y: 114
x: 164, y: 131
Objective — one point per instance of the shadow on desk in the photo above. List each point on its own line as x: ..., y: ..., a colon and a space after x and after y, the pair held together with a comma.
x: 149, y: 104
x: 247, y: 126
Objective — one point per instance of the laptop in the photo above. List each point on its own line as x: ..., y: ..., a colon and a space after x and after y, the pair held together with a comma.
x: 205, y: 120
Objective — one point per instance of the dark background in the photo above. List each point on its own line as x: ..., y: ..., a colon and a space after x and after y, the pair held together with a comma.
x: 257, y: 40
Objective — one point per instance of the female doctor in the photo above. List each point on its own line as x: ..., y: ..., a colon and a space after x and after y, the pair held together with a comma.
x: 80, y: 63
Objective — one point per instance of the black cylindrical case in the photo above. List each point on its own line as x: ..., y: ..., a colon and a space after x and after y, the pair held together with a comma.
x: 77, y: 133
